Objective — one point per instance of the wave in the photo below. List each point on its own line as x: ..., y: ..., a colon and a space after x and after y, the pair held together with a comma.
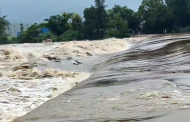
x: 149, y: 80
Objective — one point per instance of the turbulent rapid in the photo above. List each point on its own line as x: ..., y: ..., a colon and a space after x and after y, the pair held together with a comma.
x: 148, y: 82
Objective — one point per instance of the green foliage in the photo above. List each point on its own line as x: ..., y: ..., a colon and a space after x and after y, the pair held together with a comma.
x: 95, y: 20
x: 180, y: 9
x: 4, y: 25
x: 45, y: 36
x: 155, y: 16
x: 4, y: 40
x: 118, y: 27
x: 89, y: 23
x: 98, y: 24
x: 31, y: 35
x: 56, y: 25
x: 100, y: 4
x: 69, y: 36
x: 12, y: 40
x: 121, y: 21
x: 76, y: 22
x: 59, y: 24
x: 126, y: 14
x: 76, y: 26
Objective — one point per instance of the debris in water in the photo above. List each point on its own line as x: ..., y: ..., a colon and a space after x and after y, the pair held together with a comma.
x: 76, y: 62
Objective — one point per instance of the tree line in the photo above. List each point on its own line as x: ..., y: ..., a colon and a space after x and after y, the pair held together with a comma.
x: 152, y: 17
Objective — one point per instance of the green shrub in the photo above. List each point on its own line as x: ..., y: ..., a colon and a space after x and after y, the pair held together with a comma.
x: 4, y: 40
x: 70, y: 35
x: 50, y: 35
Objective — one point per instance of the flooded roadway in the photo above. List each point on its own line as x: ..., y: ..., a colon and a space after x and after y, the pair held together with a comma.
x: 150, y: 82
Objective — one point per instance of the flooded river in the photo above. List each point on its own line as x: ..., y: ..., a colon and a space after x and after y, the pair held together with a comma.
x: 150, y: 82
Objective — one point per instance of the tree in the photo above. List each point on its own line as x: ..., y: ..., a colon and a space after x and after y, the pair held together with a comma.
x: 95, y: 20
x: 75, y: 31
x: 34, y: 35
x: 55, y: 24
x: 117, y: 27
x: 77, y: 26
x: 180, y: 9
x: 89, y: 23
x: 45, y: 36
x: 4, y: 25
x: 100, y: 4
x: 100, y: 19
x: 155, y: 15
x: 76, y: 22
x: 68, y: 36
x: 59, y: 24
x: 31, y: 35
x: 126, y: 14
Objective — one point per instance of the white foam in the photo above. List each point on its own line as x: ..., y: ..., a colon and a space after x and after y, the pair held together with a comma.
x: 19, y: 97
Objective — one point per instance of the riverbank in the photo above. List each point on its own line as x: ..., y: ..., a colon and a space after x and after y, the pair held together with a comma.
x: 32, y: 74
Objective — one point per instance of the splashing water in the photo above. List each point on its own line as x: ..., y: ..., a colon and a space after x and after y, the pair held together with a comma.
x: 148, y: 81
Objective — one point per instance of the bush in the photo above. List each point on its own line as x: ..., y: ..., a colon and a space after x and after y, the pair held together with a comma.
x: 12, y: 40
x: 26, y: 37
x: 70, y: 35
x: 112, y: 33
x: 50, y: 35
x: 4, y: 40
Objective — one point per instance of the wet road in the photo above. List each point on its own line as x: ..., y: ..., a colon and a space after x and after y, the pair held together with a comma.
x: 149, y: 82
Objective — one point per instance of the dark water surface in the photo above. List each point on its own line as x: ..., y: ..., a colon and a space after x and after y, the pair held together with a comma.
x: 149, y: 83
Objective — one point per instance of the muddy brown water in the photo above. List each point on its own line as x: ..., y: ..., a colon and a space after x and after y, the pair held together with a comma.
x: 67, y: 64
x: 150, y: 82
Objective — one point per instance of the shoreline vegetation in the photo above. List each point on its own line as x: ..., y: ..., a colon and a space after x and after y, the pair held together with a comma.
x: 98, y: 23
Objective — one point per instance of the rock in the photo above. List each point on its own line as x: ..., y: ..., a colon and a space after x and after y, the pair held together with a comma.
x: 4, y: 86
x: 76, y: 52
x: 14, y: 90
x: 52, y: 57
x: 23, y: 66
x: 49, y: 96
x: 58, y: 61
x: 54, y: 89
x: 47, y: 75
x: 69, y: 58
x: 28, y: 65
x: 76, y: 62
x: 47, y: 41
x: 1, y: 74
x: 88, y: 54
x: 31, y: 56
x: 5, y: 102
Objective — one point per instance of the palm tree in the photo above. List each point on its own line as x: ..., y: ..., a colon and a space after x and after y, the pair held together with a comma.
x: 4, y: 25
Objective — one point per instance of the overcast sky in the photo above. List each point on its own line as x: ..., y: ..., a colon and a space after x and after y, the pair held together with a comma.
x: 30, y: 11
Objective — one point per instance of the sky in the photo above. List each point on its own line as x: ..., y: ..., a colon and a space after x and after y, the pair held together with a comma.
x: 30, y: 11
